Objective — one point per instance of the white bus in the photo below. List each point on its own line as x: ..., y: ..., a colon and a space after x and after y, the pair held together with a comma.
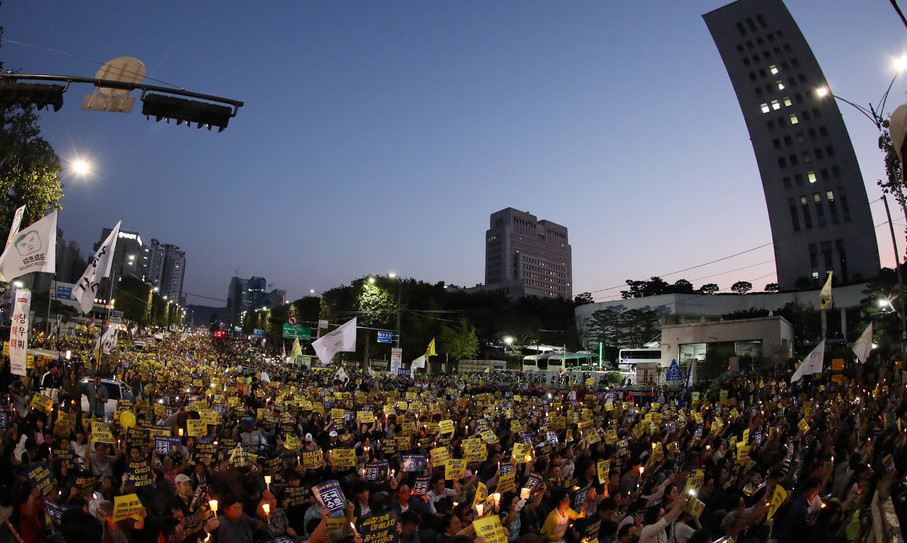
x: 630, y: 361
x: 536, y: 362
x: 569, y: 361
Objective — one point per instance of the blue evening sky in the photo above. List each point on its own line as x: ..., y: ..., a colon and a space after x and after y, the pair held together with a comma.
x: 379, y: 136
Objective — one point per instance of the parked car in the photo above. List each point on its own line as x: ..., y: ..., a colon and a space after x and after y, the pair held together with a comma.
x: 116, y: 391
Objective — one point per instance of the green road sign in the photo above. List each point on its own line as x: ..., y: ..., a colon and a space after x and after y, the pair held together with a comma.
x: 291, y: 331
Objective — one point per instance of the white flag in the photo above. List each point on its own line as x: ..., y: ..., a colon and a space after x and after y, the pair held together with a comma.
x: 14, y: 228
x: 417, y: 363
x: 108, y: 340
x: 18, y: 332
x: 863, y: 346
x: 34, y: 249
x: 343, y: 339
x: 98, y: 268
x: 811, y: 364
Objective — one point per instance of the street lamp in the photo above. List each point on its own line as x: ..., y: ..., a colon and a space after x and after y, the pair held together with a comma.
x: 371, y: 280
x: 393, y: 275
x: 80, y: 166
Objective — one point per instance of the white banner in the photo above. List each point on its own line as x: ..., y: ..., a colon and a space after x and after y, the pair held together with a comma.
x: 107, y: 340
x: 14, y: 228
x: 18, y: 332
x: 396, y: 360
x: 863, y: 346
x: 86, y: 288
x: 343, y: 339
x: 34, y: 249
x: 811, y: 364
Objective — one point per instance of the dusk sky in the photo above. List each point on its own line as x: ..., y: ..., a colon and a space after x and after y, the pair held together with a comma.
x: 379, y: 136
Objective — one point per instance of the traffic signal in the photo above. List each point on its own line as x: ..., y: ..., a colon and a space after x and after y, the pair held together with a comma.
x: 13, y: 93
x: 182, y: 111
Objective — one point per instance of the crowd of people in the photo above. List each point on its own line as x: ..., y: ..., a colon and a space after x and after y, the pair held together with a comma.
x: 191, y: 443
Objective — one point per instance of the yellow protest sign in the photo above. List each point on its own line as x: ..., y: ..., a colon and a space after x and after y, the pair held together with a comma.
x: 743, y: 451
x: 519, y: 453
x: 291, y: 443
x: 454, y: 469
x: 128, y: 506
x: 127, y: 419
x: 312, y: 459
x: 603, y: 467
x: 343, y: 458
x: 439, y: 456
x: 507, y: 483
x: 100, y: 433
x: 694, y: 507
x: 196, y: 428
x: 490, y: 529
x: 778, y: 497
x: 474, y: 450
x: 40, y: 402
x: 803, y: 426
x: 746, y: 436
x: 365, y: 417
x: 446, y: 427
x: 489, y: 437
x: 209, y: 416
x: 481, y: 494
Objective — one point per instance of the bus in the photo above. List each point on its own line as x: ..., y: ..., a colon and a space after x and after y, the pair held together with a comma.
x: 569, y: 361
x: 536, y: 362
x: 630, y: 361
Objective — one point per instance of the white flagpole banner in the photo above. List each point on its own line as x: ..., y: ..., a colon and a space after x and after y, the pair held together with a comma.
x: 416, y: 364
x: 811, y: 364
x: 343, y: 339
x: 108, y: 340
x: 98, y: 268
x: 14, y: 229
x: 34, y: 249
x: 18, y: 332
x: 825, y: 293
x: 863, y: 346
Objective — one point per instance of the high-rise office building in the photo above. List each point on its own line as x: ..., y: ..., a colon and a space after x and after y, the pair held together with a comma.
x: 525, y: 256
x: 814, y: 191
x: 174, y: 270
x: 250, y: 294
x: 154, y: 263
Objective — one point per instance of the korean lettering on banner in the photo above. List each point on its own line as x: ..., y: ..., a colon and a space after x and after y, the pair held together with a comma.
x: 139, y: 474
x: 40, y: 477
x: 376, y: 470
x: 420, y: 486
x: 439, y: 456
x: 86, y: 484
x: 506, y: 468
x: 40, y: 402
x: 520, y: 450
x: 273, y: 466
x: 330, y: 496
x: 490, y: 529
x: 413, y: 463
x: 18, y: 332
x: 580, y: 497
x: 379, y: 529
x: 65, y: 423
x: 205, y: 452
x: 507, y: 483
x: 196, y: 428
x: 128, y: 506
x: 100, y: 433
x: 313, y: 459
x: 455, y: 469
x: 446, y: 427
x: 535, y: 480
x: 297, y: 495
x: 603, y: 467
x: 343, y: 458
x: 474, y: 450
x: 163, y: 445
x: 694, y: 507
x: 590, y: 531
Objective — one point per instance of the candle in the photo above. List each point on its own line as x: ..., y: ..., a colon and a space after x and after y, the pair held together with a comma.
x: 213, y: 505
x: 497, y: 499
x: 479, y: 508
x: 524, y: 493
x: 180, y: 432
x: 268, y: 482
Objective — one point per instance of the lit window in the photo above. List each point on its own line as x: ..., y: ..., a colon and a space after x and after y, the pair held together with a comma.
x: 830, y: 195
x: 765, y: 108
x: 811, y: 176
x: 787, y: 102
x: 794, y: 119
x: 775, y: 105
x: 773, y: 69
x: 780, y: 84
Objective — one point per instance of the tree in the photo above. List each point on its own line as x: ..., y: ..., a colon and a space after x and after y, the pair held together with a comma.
x: 583, y: 299
x: 772, y: 287
x: 709, y: 288
x: 681, y: 286
x: 29, y: 167
x: 742, y: 287
x: 461, y: 341
x: 375, y: 305
x: 642, y: 289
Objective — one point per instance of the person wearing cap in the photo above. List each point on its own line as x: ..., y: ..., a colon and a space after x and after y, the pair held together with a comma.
x: 184, y: 490
x: 235, y: 525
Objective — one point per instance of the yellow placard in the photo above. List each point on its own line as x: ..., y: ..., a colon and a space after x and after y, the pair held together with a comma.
x: 100, y: 433
x: 446, y: 427
x: 694, y: 507
x: 439, y: 456
x: 454, y: 469
x: 489, y: 437
x: 474, y: 450
x: 343, y: 458
x: 803, y: 425
x: 507, y: 483
x: 778, y: 497
x: 603, y: 467
x: 365, y: 417
x: 313, y: 459
x: 196, y: 428
x: 746, y: 436
x: 40, y: 402
x: 519, y: 453
x: 209, y: 416
x: 128, y: 506
x: 489, y: 528
x: 291, y: 443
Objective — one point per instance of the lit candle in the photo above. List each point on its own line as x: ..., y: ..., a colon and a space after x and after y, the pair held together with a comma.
x: 268, y: 482
x: 524, y: 493
x: 266, y: 507
x: 479, y: 508
x: 180, y: 432
x: 497, y: 499
x: 213, y: 505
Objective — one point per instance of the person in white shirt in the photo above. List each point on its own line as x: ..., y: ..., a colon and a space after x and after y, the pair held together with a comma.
x: 656, y: 520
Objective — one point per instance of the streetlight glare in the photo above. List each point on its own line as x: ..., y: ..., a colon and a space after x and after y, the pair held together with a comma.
x: 80, y: 167
x: 371, y: 280
x: 508, y: 340
x: 392, y: 275
x: 822, y: 92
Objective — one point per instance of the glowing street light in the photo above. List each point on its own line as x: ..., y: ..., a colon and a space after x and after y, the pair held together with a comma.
x: 371, y: 280
x: 80, y: 167
x: 508, y: 340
